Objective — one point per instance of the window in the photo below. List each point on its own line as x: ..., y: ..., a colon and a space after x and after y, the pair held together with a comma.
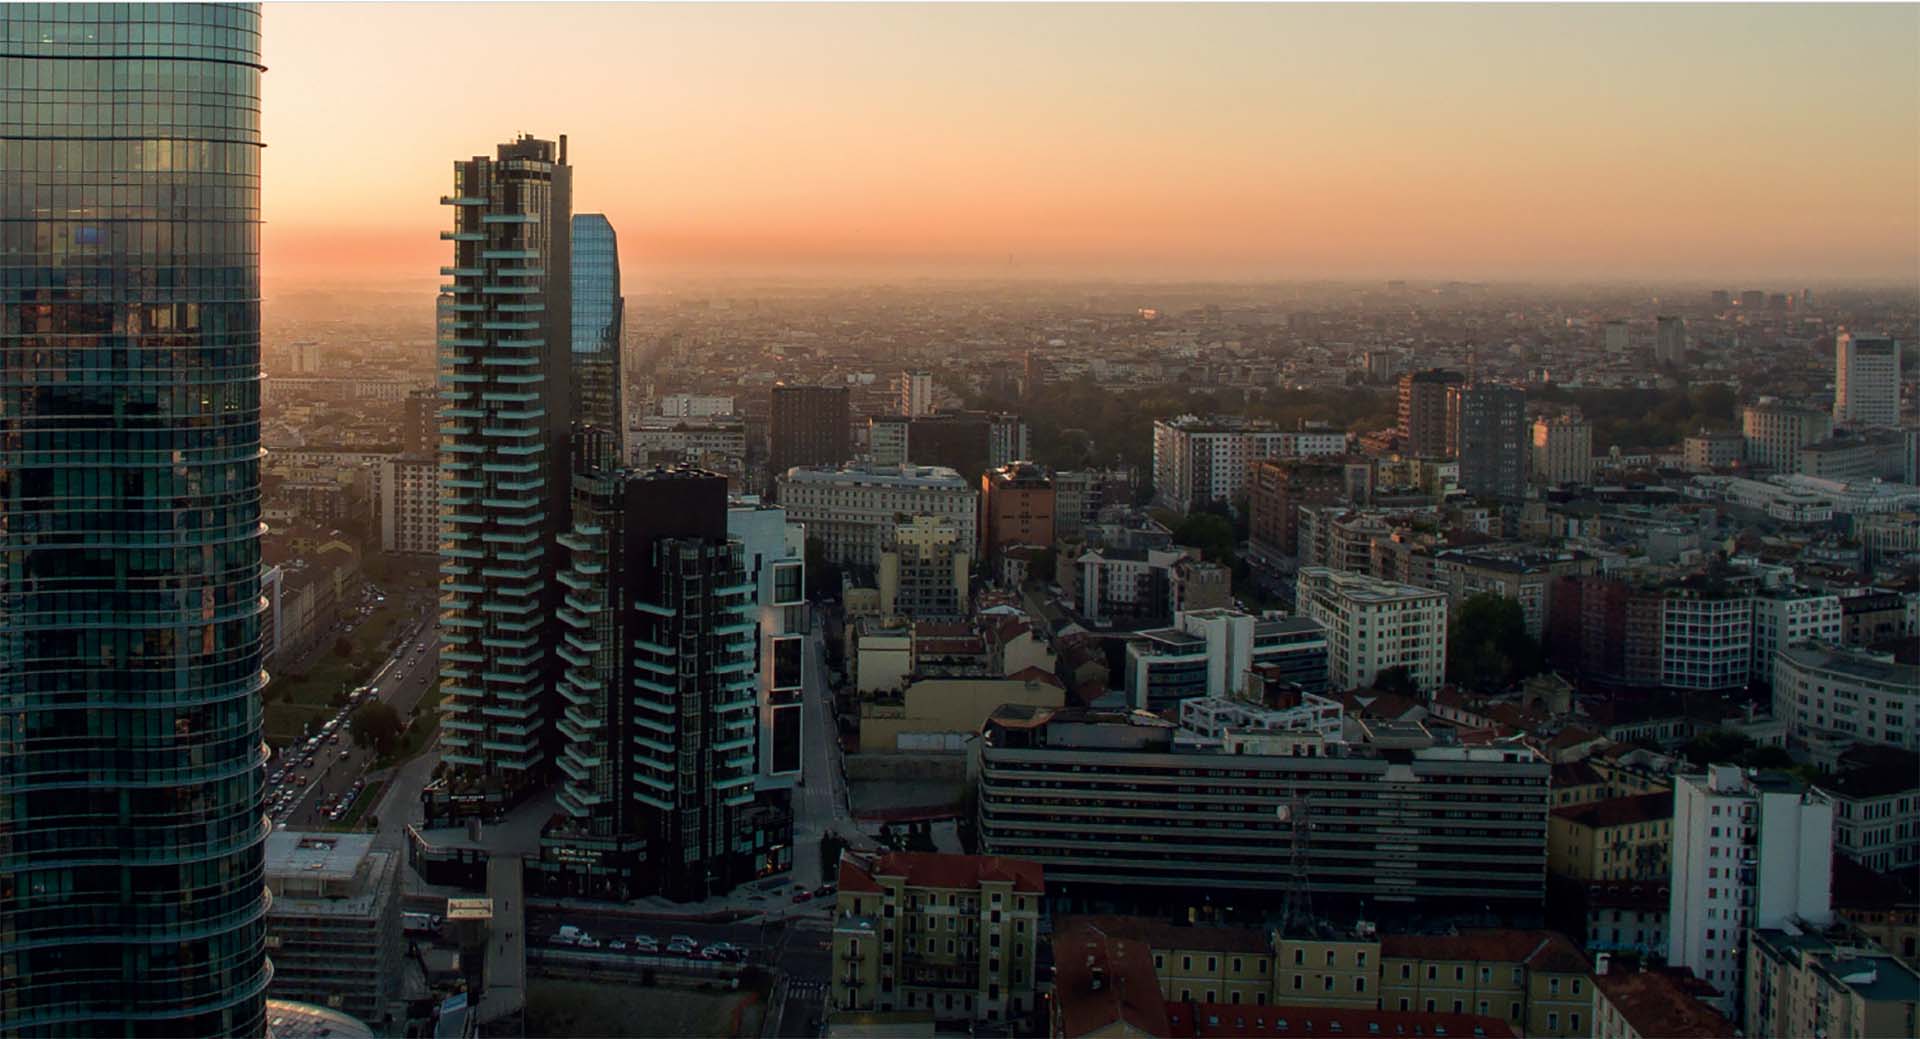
x: 1457, y: 1006
x: 1298, y: 980
x: 1459, y: 973
x: 1433, y: 972
x: 1406, y: 971
x: 1360, y: 984
x: 1236, y: 964
x: 1360, y: 959
x: 1553, y: 986
x: 1329, y: 957
x: 1403, y: 1004
x: 1186, y: 963
x: 1573, y: 1023
x: 1213, y: 964
x: 1553, y: 1022
x: 1299, y: 957
x: 1576, y: 991
x: 1326, y: 983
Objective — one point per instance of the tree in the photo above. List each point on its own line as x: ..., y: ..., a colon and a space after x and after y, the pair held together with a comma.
x: 1396, y: 679
x: 1209, y: 532
x: 375, y: 723
x: 1487, y: 643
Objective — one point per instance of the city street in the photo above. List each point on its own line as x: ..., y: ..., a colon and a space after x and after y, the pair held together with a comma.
x: 820, y: 806
x: 337, y: 764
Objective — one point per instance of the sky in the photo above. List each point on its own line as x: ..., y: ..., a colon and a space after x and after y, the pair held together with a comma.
x: 1709, y: 143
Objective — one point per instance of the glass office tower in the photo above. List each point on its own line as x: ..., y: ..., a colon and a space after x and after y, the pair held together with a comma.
x: 596, y: 327
x: 132, y: 896
x: 505, y: 360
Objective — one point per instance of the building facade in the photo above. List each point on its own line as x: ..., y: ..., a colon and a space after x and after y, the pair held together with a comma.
x: 504, y: 351
x: 1749, y: 851
x: 410, y: 505
x: 597, y: 323
x: 334, y: 930
x: 925, y: 568
x: 1215, y: 653
x: 852, y: 511
x: 1109, y: 800
x: 1278, y: 487
x: 1016, y: 508
x: 807, y: 425
x: 1776, y: 431
x: 660, y: 687
x: 1487, y: 425
x: 1197, y: 461
x: 1809, y: 984
x: 1866, y: 380
x: 130, y: 609
x: 1670, y: 340
x: 1831, y: 696
x: 1375, y: 625
x: 1790, y: 617
x: 1562, y: 451
x: 956, y: 936
x: 1423, y: 412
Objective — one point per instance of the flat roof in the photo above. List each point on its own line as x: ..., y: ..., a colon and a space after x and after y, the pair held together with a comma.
x: 316, y: 856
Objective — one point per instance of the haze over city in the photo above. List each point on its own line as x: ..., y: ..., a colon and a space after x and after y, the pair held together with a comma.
x: 1247, y: 142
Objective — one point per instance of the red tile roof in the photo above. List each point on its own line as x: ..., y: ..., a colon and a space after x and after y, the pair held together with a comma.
x: 933, y: 869
x: 1099, y: 980
x: 1207, y: 1020
x: 1542, y: 950
x: 1034, y: 673
x: 1658, y: 1005
x: 1163, y: 936
x: 1620, y: 811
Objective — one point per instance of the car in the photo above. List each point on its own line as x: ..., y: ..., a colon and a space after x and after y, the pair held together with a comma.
x: 825, y: 889
x: 683, y: 939
x: 618, y: 945
x: 646, y: 943
x: 802, y: 896
x: 588, y: 941
x: 677, y: 949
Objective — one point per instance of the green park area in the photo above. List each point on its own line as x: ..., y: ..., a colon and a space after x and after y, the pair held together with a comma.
x: 309, y: 691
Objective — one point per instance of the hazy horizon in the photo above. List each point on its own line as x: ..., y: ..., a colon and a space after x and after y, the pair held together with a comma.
x: 1674, y: 144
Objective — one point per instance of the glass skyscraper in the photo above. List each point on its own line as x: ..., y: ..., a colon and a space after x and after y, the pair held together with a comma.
x: 132, y: 895
x: 505, y: 360
x: 596, y: 326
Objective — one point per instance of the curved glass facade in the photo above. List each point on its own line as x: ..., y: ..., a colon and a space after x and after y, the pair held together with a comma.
x: 132, y: 895
x: 596, y: 326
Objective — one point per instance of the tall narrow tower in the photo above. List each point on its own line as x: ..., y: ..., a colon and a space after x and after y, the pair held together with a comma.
x: 505, y: 359
x: 132, y: 885
x: 597, y: 314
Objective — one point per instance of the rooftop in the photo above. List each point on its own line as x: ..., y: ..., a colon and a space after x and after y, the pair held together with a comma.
x: 1163, y: 936
x: 1655, y: 1004
x: 1620, y: 811
x: 316, y: 856
x: 936, y: 870
x: 1101, y: 980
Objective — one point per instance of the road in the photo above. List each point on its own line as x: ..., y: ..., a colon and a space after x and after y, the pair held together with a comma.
x: 820, y: 805
x: 401, y: 681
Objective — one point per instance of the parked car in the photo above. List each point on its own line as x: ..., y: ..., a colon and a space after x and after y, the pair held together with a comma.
x: 802, y: 896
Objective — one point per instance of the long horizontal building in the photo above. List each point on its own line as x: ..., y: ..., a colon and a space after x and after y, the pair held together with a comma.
x: 1129, y: 802
x: 1832, y: 696
x: 852, y: 510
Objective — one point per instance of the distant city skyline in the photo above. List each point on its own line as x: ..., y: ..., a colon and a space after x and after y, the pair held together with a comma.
x: 1501, y: 142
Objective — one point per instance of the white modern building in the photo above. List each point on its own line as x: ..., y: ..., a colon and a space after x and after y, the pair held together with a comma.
x: 1375, y: 625
x: 333, y: 926
x: 1776, y: 431
x: 1749, y: 850
x: 1212, y: 653
x: 1866, y: 380
x: 1562, y: 450
x: 1197, y: 461
x: 1706, y: 639
x: 692, y: 405
x: 409, y: 502
x: 774, y: 552
x: 916, y: 394
x: 852, y: 510
x: 1831, y: 696
x: 1790, y: 617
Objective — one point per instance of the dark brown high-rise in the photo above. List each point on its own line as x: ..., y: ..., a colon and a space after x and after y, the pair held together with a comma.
x: 807, y: 425
x: 1423, y: 412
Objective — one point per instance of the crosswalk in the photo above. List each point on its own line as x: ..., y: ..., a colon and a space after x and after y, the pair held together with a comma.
x: 805, y: 988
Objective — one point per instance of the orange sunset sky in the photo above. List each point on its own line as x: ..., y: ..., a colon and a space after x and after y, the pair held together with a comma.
x: 1706, y: 143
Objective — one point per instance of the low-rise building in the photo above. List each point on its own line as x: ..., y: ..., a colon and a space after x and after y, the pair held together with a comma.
x: 1802, y: 982
x: 953, y: 934
x: 852, y: 510
x: 1652, y: 1005
x: 1628, y: 917
x: 1538, y: 981
x: 1831, y: 696
x: 939, y: 715
x: 1876, y: 807
x: 1618, y: 839
x: 1214, y: 652
x: 333, y: 929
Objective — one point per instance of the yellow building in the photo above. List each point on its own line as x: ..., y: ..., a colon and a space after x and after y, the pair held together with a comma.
x: 1327, y: 971
x: 1231, y: 965
x: 1653, y: 1005
x: 1803, y: 983
x: 938, y: 714
x: 1537, y: 981
x: 951, y: 934
x: 1620, y: 838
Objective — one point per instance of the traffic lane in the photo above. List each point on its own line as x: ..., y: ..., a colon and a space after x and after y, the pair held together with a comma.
x: 543, y: 924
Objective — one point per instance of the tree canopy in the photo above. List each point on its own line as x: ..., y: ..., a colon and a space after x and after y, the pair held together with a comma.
x: 1487, y: 643
x: 376, y: 723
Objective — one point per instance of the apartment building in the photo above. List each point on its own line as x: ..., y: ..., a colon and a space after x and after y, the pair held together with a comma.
x: 409, y: 503
x: 1876, y: 807
x: 852, y: 510
x: 1616, y: 839
x: 953, y: 935
x: 1016, y: 507
x: 1562, y: 451
x: 1652, y: 1004
x: 1706, y: 637
x: 1776, y: 431
x: 1749, y: 851
x: 1168, y: 810
x: 1802, y: 982
x: 1790, y: 617
x: 1423, y: 412
x: 926, y: 565
x: 1231, y: 965
x: 1277, y: 487
x: 1197, y: 461
x: 1866, y: 380
x: 1375, y: 625
x: 1537, y: 981
x: 1832, y: 696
